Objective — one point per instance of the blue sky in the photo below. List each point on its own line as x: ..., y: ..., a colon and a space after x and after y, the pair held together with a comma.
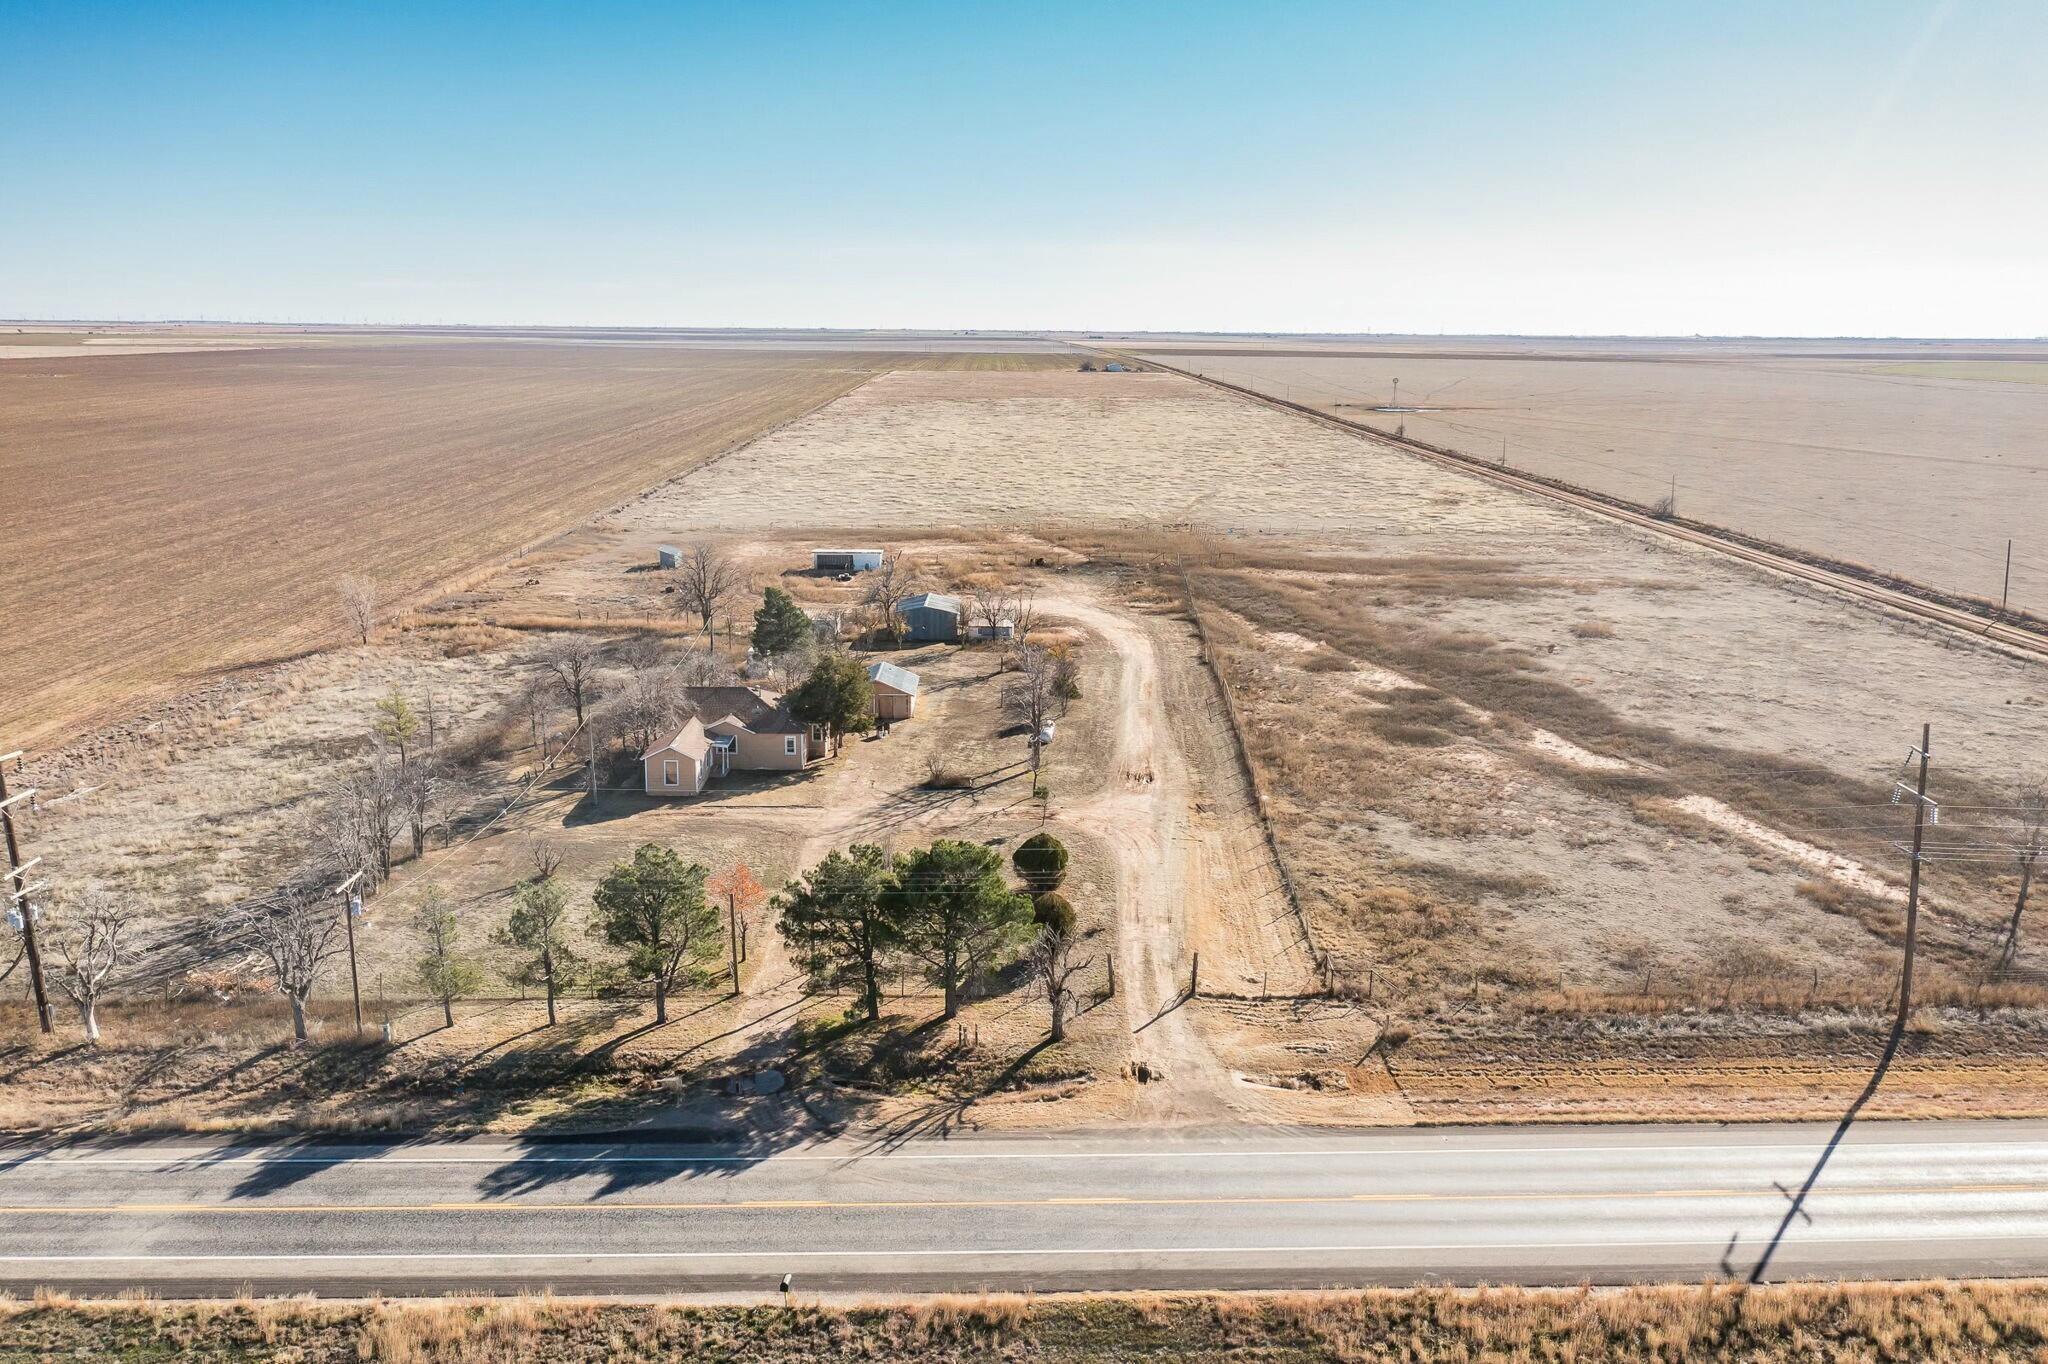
x: 1805, y: 168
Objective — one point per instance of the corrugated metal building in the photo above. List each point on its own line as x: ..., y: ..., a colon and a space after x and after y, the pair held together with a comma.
x: 931, y: 617
x: 845, y: 560
x: 895, y: 691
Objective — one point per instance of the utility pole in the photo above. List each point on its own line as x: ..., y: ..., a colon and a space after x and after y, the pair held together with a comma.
x: 2006, y: 593
x: 17, y: 876
x: 1920, y: 808
x: 350, y: 908
x: 732, y: 938
x: 593, y: 770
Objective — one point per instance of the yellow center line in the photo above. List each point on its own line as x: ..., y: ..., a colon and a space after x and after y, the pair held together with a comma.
x: 913, y: 1205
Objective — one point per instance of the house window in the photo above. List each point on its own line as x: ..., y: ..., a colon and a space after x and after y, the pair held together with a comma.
x: 789, y: 746
x: 671, y: 772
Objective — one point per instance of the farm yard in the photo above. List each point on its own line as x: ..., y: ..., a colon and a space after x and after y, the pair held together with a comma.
x: 1918, y: 459
x: 1534, y: 816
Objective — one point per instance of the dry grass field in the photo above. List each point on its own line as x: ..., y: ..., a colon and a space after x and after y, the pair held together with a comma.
x: 173, y: 515
x: 2005, y: 1322
x: 1917, y: 460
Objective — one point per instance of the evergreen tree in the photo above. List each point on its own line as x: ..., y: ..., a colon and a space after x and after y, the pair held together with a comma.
x: 652, y: 907
x: 441, y: 971
x: 538, y: 929
x: 837, y: 921
x: 837, y: 695
x: 955, y: 914
x: 780, y: 625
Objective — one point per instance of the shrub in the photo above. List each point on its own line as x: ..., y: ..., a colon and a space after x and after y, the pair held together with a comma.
x: 941, y: 775
x: 1041, y: 861
x: 1052, y: 910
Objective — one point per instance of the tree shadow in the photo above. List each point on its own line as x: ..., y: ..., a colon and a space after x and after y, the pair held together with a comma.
x: 941, y: 1117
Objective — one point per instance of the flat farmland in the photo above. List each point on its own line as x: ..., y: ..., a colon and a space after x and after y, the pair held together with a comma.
x: 1919, y: 460
x: 167, y: 516
x: 1455, y: 690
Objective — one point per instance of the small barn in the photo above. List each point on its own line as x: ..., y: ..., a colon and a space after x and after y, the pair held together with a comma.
x: 845, y: 560
x: 668, y: 556
x: 895, y: 691
x: 931, y: 617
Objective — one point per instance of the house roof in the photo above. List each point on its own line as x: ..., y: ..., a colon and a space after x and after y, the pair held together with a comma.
x: 933, y: 601
x: 690, y: 741
x: 745, y: 706
x: 889, y: 675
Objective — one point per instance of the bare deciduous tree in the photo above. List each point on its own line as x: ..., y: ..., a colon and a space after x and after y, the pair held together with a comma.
x: 988, y: 607
x: 792, y: 665
x: 829, y: 626
x: 1053, y: 968
x: 643, y: 653
x: 646, y: 710
x: 546, y: 859
x: 573, y: 664
x: 419, y: 781
x: 707, y: 580
x: 90, y: 947
x: 359, y: 818
x: 699, y: 667
x: 2031, y: 815
x: 887, y: 586
x: 1023, y: 612
x: 539, y: 701
x: 358, y: 605
x: 295, y: 934
x: 1031, y: 697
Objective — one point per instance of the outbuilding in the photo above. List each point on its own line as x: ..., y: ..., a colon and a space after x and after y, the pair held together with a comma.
x: 931, y: 617
x: 668, y: 556
x: 845, y: 560
x: 895, y: 691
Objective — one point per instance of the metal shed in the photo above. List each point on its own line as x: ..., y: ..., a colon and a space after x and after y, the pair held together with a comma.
x: 845, y: 560
x: 931, y: 616
x: 669, y: 556
x: 895, y: 691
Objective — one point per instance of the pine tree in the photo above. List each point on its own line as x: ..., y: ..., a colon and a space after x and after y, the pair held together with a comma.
x: 955, y: 914
x: 780, y: 625
x: 839, y: 924
x: 653, y: 908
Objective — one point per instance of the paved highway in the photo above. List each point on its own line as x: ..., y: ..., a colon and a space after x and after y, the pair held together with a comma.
x: 1157, y: 1210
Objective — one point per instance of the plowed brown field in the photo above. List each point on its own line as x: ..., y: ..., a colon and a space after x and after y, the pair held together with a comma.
x: 166, y: 516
